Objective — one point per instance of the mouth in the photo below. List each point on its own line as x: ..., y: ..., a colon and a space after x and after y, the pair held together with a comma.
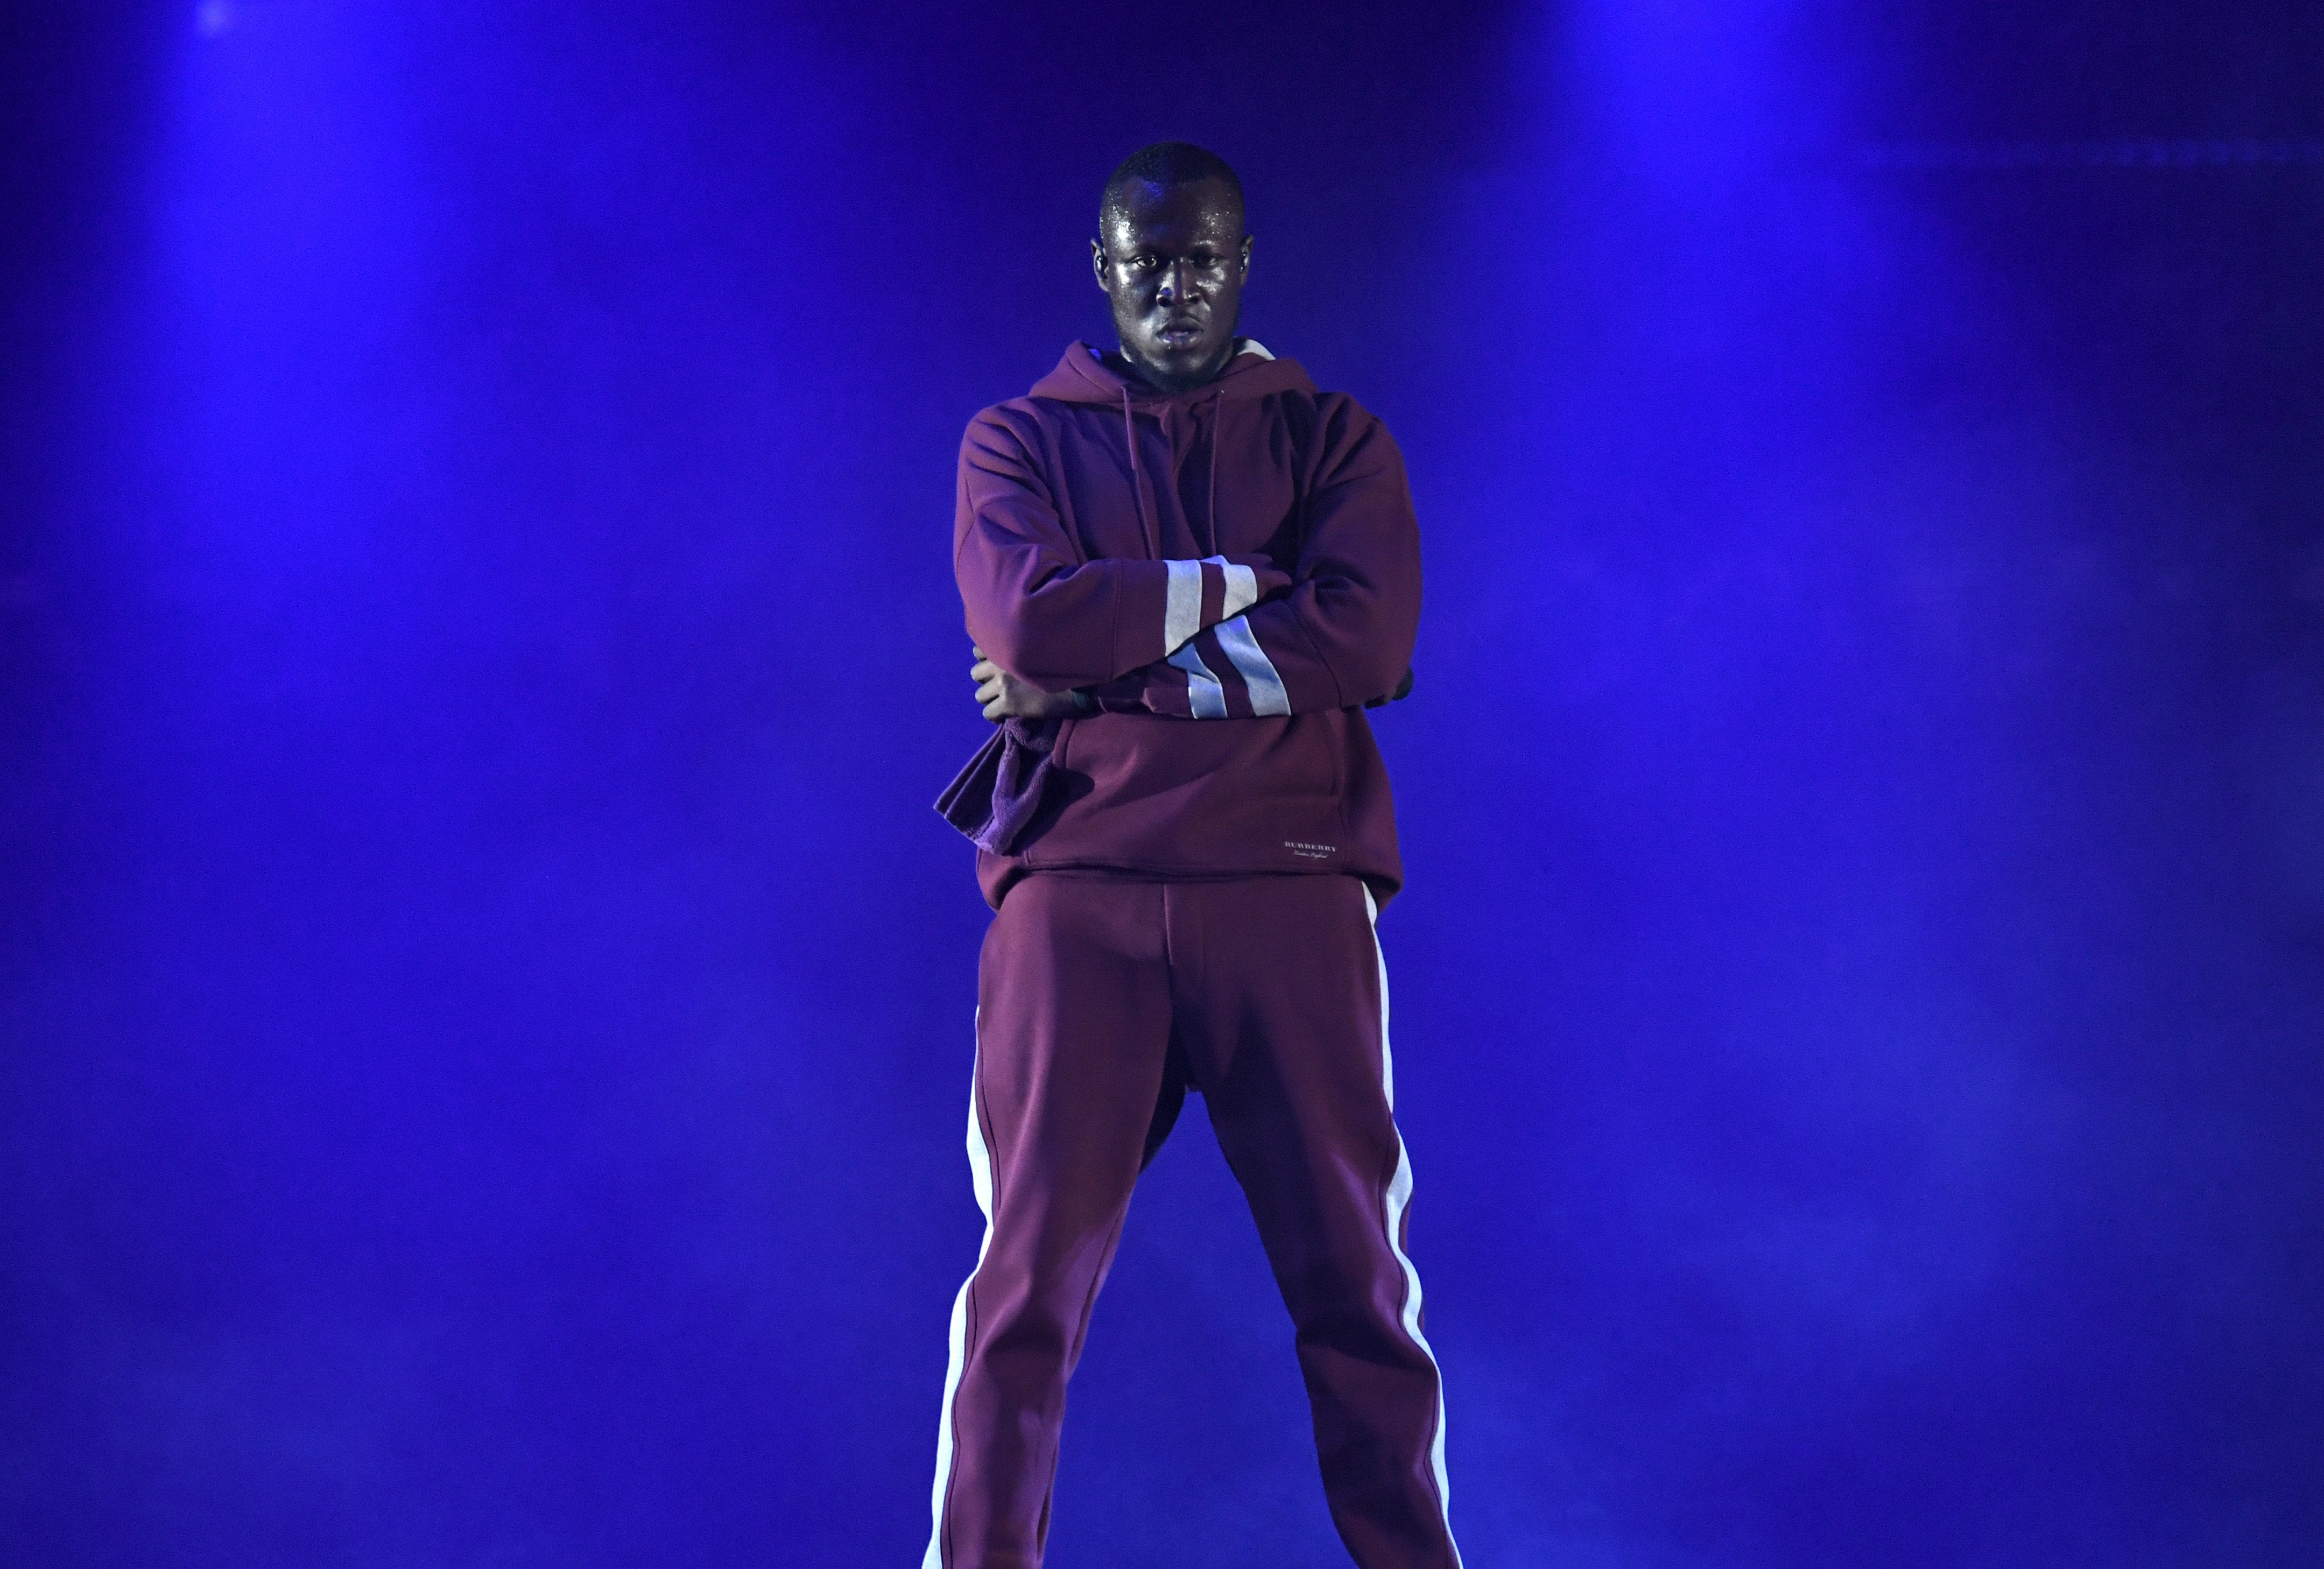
x: 1179, y: 332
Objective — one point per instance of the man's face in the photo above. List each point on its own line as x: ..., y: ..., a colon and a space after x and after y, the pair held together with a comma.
x: 1173, y: 264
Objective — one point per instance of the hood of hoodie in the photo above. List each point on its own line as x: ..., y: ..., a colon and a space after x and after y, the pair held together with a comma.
x: 1253, y: 374
x: 1081, y: 377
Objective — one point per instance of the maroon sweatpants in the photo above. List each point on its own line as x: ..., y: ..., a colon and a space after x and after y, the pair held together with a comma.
x: 1099, y: 1000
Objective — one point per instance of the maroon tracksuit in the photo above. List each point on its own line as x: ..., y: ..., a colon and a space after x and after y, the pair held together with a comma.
x: 1186, y: 880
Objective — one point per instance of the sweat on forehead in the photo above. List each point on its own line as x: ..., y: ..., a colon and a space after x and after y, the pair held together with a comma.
x: 1162, y: 164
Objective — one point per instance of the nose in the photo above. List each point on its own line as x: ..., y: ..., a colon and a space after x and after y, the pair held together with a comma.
x: 1175, y: 283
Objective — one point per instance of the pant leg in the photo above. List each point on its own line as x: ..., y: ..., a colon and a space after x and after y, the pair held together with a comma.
x: 1283, y: 1011
x: 1072, y: 1033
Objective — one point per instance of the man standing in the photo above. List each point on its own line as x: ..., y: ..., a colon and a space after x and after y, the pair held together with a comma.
x: 1187, y: 573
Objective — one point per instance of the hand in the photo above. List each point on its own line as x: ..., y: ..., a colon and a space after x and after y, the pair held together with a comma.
x: 1005, y: 697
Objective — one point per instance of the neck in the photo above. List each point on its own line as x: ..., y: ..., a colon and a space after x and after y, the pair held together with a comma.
x: 1125, y: 362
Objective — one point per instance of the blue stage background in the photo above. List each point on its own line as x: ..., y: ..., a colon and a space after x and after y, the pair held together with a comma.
x: 484, y: 1004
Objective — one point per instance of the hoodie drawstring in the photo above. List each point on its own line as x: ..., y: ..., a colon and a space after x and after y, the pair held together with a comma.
x: 1151, y: 532
x: 1211, y: 505
x: 1138, y: 482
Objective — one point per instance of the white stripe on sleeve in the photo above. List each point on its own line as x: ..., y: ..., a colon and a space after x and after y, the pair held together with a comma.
x: 1267, y: 698
x: 1204, y: 693
x: 1242, y: 585
x: 1182, y: 606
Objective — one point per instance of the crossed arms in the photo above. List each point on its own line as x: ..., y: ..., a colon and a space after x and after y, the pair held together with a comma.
x: 1225, y: 637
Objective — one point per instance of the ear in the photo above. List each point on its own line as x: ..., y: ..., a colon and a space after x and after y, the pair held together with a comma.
x: 1246, y: 258
x: 1097, y: 263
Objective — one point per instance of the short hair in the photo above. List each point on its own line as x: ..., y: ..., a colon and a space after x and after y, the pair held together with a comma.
x: 1164, y: 163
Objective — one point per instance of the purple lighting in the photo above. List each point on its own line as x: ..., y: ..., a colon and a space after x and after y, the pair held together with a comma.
x: 485, y: 1009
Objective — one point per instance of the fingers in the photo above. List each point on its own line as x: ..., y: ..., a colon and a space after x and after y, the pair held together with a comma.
x: 993, y: 687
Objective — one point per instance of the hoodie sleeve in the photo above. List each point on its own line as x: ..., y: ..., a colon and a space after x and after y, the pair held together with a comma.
x: 1050, y: 618
x: 1344, y: 635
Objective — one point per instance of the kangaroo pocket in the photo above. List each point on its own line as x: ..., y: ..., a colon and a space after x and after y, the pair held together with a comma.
x: 1194, y: 795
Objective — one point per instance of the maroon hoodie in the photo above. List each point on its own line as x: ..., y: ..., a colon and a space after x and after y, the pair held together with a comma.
x: 1229, y: 575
